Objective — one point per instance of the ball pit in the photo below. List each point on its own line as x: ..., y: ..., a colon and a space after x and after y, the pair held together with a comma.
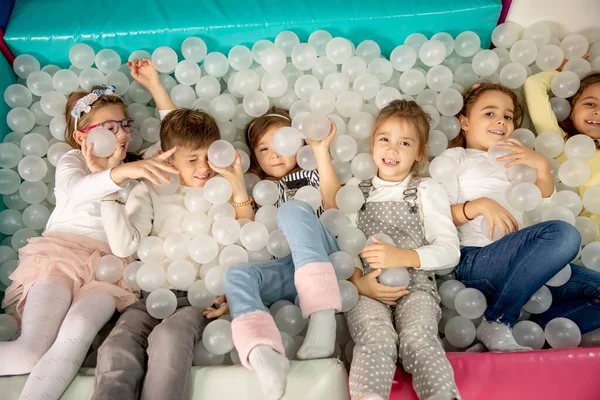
x: 370, y: 85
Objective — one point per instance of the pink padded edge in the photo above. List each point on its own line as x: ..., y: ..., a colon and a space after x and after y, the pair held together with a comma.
x: 544, y: 374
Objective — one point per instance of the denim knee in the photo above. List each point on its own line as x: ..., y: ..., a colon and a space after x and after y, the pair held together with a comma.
x: 291, y: 210
x: 565, y: 235
x: 235, y: 275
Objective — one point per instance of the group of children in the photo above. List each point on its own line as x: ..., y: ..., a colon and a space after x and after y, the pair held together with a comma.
x: 433, y: 226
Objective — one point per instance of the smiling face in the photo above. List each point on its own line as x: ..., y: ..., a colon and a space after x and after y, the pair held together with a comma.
x: 489, y: 120
x: 396, y: 148
x: 192, y: 165
x: 107, y: 113
x: 273, y: 164
x: 586, y: 112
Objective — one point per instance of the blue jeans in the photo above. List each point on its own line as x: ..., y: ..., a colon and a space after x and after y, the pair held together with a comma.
x: 249, y: 286
x: 510, y: 270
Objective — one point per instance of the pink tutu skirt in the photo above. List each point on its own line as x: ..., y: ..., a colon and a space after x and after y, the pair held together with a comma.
x: 59, y: 258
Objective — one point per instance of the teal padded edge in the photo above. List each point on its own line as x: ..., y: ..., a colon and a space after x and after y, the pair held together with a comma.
x: 47, y: 29
x: 7, y: 78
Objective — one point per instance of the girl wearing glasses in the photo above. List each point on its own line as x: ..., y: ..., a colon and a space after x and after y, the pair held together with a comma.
x: 54, y: 292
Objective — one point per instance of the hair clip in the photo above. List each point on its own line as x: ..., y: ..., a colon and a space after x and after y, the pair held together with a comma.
x: 83, y: 105
x: 475, y: 86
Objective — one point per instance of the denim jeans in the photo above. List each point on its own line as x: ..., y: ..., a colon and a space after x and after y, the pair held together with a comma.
x: 510, y: 270
x: 249, y: 286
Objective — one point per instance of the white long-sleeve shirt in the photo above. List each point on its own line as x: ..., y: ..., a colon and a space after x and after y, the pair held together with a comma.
x: 443, y: 250
x: 477, y: 178
x: 145, y: 213
x: 78, y: 194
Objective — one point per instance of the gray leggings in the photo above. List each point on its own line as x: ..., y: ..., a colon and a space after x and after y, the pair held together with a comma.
x: 420, y: 349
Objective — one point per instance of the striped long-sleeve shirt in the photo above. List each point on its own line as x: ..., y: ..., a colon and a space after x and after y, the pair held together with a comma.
x: 289, y: 184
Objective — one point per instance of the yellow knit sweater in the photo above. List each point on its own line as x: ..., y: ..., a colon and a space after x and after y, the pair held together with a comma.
x: 543, y: 118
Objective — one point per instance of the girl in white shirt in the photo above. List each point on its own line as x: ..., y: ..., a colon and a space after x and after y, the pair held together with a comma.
x: 511, y: 269
x: 414, y: 212
x: 54, y: 288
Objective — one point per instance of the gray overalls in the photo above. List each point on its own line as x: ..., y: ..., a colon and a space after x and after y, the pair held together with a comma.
x: 416, y: 315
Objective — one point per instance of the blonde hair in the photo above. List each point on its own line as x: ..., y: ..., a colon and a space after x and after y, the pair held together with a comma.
x: 411, y: 113
x: 86, y: 118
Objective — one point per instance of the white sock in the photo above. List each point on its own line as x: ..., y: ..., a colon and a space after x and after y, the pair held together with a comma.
x: 45, y: 308
x: 320, y: 337
x: 55, y: 371
x: 497, y: 336
x: 271, y: 370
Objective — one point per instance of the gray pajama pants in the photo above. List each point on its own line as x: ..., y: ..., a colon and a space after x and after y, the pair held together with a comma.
x: 420, y: 350
x: 167, y: 366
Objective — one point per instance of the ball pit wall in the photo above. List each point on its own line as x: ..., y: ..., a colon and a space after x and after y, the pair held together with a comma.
x: 47, y: 29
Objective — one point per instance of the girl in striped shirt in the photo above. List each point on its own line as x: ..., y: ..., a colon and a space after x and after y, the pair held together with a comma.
x: 306, y: 273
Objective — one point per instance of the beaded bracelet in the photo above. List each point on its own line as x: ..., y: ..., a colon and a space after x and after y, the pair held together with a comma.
x: 244, y: 203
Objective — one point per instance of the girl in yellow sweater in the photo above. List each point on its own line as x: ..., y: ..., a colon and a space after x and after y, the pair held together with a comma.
x: 584, y: 118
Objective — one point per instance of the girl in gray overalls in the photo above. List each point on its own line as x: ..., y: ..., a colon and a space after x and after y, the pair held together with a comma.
x: 415, y: 213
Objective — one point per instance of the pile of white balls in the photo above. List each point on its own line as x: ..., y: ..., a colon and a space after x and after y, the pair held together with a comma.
x: 324, y: 79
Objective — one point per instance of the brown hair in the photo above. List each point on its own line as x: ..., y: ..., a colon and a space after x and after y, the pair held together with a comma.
x: 189, y: 128
x: 256, y: 129
x: 86, y: 118
x: 473, y: 94
x: 567, y: 124
x: 411, y: 113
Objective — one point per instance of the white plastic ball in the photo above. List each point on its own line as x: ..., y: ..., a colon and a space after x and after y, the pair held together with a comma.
x: 574, y: 46
x: 107, y: 60
x: 448, y: 291
x: 349, y: 295
x: 530, y: 334
x: 351, y: 240
x: 150, y: 276
x: 562, y: 333
x: 470, y: 303
x: 103, y: 140
x: 394, y: 277
x: 306, y: 158
x: 505, y: 35
x: 449, y: 102
x: 513, y: 75
x: 565, y: 84
x: 590, y: 256
x: 304, y: 56
x: 193, y: 49
x: 549, y: 143
x: 467, y: 44
x: 32, y: 168
x: 287, y: 141
x: 265, y: 193
x: 109, y: 269
x: 338, y: 50
x: 81, y: 56
x: 363, y: 166
x: 460, y: 332
x: 591, y: 199
x: 403, y: 58
x: 443, y: 168
x: 432, y: 52
x: 217, y: 190
x: 161, y: 303
x: 574, y: 172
